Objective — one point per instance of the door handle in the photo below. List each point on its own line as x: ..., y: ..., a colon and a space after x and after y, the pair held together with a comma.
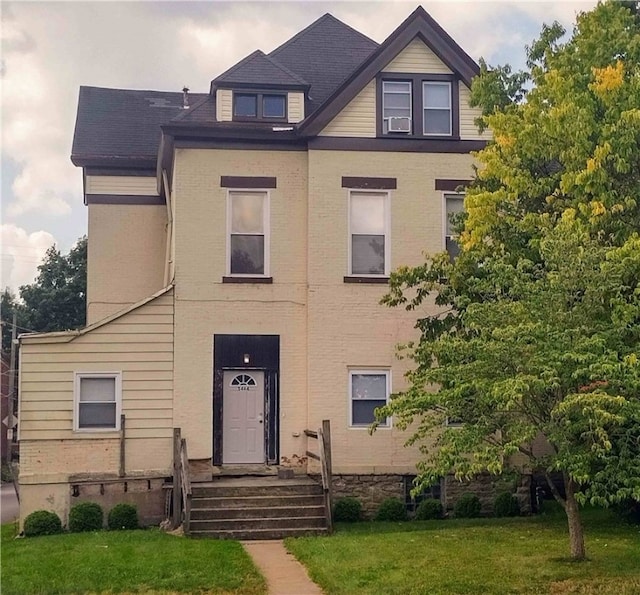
x: 260, y: 418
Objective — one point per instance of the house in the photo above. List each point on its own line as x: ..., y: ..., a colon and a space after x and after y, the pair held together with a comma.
x: 239, y: 243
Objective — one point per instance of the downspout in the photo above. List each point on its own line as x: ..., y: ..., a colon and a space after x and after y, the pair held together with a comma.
x: 168, y: 252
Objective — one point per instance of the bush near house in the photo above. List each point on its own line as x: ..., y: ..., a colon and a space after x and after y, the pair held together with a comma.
x: 429, y: 509
x: 347, y: 510
x: 123, y: 516
x: 467, y: 506
x: 86, y: 516
x: 391, y: 509
x: 506, y: 504
x: 42, y: 522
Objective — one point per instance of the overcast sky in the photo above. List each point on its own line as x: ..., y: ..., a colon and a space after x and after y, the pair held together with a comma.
x: 49, y: 49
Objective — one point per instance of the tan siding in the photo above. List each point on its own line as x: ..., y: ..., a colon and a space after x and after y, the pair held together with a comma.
x: 417, y: 58
x: 125, y: 257
x: 47, y: 397
x: 295, y: 107
x: 468, y: 114
x: 135, y: 185
x: 358, y: 118
x: 224, y: 105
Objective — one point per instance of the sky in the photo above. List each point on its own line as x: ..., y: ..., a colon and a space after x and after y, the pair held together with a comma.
x: 49, y: 49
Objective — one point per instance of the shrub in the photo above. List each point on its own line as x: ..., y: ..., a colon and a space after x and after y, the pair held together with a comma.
x: 429, y: 509
x: 123, y: 516
x: 86, y: 516
x: 42, y: 522
x: 506, y: 504
x: 629, y: 511
x: 467, y: 506
x: 391, y: 509
x: 347, y: 510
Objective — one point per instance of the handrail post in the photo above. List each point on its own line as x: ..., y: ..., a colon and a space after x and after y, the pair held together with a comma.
x: 177, y: 491
x: 121, y: 471
x: 326, y: 445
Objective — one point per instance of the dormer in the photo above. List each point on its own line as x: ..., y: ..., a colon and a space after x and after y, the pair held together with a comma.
x: 259, y: 90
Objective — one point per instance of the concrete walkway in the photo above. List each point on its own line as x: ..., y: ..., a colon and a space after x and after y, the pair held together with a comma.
x: 284, y: 574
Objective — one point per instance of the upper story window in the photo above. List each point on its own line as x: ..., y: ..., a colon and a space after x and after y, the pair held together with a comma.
x: 259, y: 106
x: 454, y: 205
x: 418, y: 106
x: 368, y: 233
x: 248, y: 232
x: 436, y: 107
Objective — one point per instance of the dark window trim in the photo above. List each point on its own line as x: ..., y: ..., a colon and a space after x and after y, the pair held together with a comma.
x: 405, y: 144
x: 369, y: 183
x: 259, y: 97
x: 247, y: 279
x: 258, y: 182
x: 383, y: 279
x: 451, y: 185
x: 416, y: 81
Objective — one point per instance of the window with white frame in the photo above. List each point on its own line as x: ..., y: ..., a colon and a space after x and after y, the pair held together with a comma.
x: 396, y: 107
x: 368, y: 233
x: 248, y: 232
x: 454, y: 205
x: 98, y: 400
x: 436, y: 108
x: 368, y: 390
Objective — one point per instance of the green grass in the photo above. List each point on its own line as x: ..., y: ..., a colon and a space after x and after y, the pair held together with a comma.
x: 146, y: 561
x: 488, y: 556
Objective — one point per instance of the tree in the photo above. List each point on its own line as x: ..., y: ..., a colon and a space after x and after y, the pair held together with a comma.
x: 539, y: 326
x: 9, y: 305
x: 56, y: 301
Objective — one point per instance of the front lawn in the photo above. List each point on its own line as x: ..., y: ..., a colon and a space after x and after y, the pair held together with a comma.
x: 488, y: 556
x: 145, y: 561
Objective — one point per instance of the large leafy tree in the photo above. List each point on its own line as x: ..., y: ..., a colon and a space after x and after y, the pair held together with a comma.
x: 539, y: 327
x: 56, y: 301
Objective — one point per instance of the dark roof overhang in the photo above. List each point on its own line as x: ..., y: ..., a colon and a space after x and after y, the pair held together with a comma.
x: 125, y: 161
x: 419, y: 24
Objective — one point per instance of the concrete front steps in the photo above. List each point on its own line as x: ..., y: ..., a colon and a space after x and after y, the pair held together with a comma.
x: 257, y: 508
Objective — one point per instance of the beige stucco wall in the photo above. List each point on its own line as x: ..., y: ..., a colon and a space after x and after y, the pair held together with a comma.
x: 224, y: 105
x: 123, y: 185
x: 126, y: 255
x: 295, y: 107
x: 205, y: 306
x: 468, y: 115
x: 419, y: 58
x: 347, y: 328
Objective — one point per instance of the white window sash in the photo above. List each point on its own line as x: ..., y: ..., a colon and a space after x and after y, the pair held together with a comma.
x: 445, y: 234
x: 78, y: 376
x: 387, y: 233
x: 265, y: 229
x: 385, y: 93
x: 365, y: 371
x: 426, y: 108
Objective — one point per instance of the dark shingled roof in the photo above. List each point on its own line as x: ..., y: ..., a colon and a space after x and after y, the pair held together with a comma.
x: 259, y: 69
x: 324, y: 54
x: 123, y: 122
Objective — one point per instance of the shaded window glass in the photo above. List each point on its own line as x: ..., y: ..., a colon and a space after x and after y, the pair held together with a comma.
x: 245, y: 106
x: 367, y: 233
x: 454, y: 206
x: 247, y: 212
x: 97, y: 406
x: 247, y: 254
x: 273, y: 106
x: 368, y: 392
x: 437, y: 108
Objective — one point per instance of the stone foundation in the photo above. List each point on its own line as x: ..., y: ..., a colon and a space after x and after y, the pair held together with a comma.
x: 372, y: 490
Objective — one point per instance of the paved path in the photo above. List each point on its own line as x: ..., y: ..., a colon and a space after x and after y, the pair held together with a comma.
x: 284, y: 574
x: 9, y: 507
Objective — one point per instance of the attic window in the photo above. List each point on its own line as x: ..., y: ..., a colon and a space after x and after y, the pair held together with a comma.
x: 259, y: 106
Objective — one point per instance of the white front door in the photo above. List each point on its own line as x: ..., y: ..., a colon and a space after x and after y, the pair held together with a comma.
x: 243, y: 417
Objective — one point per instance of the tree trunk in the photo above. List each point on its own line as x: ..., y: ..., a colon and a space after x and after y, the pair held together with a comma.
x: 576, y: 535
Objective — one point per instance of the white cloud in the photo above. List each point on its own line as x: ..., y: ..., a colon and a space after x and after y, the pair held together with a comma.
x: 22, y: 252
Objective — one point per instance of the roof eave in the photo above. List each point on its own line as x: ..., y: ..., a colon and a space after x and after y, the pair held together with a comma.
x: 133, y: 162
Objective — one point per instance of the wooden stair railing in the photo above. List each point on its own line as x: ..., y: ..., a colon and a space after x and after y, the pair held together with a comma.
x: 323, y: 435
x: 181, y: 483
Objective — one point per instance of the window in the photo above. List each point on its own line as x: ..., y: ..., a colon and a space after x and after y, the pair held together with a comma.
x: 396, y: 107
x: 259, y: 106
x: 369, y: 233
x: 98, y: 399
x: 436, y: 108
x: 454, y: 205
x: 243, y: 380
x: 368, y: 390
x: 248, y: 224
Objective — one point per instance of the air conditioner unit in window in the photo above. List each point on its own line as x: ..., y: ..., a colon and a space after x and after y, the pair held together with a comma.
x: 400, y: 124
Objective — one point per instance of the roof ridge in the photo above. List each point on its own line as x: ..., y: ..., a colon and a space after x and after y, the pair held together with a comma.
x: 326, y: 16
x: 237, y: 65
